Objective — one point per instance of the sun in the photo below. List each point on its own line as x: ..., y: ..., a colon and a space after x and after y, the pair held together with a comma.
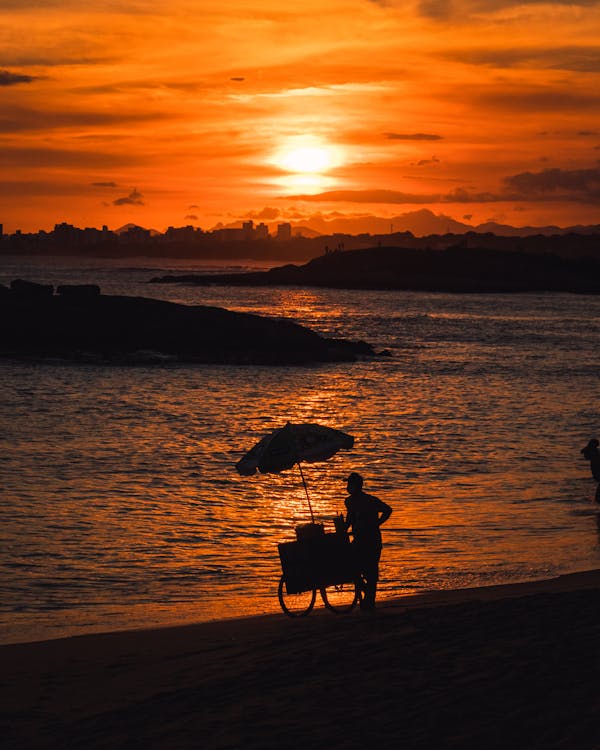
x: 306, y: 155
x: 307, y: 160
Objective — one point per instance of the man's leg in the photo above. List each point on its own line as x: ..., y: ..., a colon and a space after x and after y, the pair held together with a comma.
x: 371, y: 576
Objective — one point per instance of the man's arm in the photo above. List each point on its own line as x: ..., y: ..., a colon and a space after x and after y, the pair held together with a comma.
x: 385, y: 511
x: 350, y: 520
x: 349, y: 515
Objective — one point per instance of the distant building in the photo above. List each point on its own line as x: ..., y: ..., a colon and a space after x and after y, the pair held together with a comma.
x: 248, y: 230
x: 136, y: 234
x: 66, y: 233
x: 262, y: 231
x: 284, y: 232
x: 182, y: 234
x: 228, y: 234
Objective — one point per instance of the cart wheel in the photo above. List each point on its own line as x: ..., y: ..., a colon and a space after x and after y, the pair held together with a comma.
x: 341, y: 598
x: 296, y: 605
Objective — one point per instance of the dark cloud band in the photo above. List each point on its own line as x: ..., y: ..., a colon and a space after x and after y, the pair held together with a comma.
x: 7, y: 78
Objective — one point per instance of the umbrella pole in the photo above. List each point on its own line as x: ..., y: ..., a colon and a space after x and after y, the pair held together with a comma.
x: 312, y: 515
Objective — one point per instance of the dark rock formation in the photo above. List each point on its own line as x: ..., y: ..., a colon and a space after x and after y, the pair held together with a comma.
x: 31, y: 289
x: 78, y: 290
x: 134, y: 329
x: 456, y: 269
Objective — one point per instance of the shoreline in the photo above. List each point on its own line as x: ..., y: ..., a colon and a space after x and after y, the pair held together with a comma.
x: 423, y: 598
x: 488, y: 666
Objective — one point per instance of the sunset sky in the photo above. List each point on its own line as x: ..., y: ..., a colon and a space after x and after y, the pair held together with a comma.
x: 193, y: 112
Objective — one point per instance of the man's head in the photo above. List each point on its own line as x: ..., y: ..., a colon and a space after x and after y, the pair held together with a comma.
x: 355, y: 482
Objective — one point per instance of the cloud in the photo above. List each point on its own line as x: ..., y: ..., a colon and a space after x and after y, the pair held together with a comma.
x: 426, y: 162
x: 365, y: 196
x: 237, y: 78
x: 267, y: 213
x: 581, y: 185
x: 39, y: 157
x: 133, y: 199
x: 565, y: 184
x: 441, y: 10
x: 582, y: 59
x: 104, y: 184
x: 539, y: 99
x: 191, y: 217
x: 413, y: 137
x: 194, y: 205
x: 35, y: 188
x: 458, y: 195
x: 26, y: 119
x: 12, y: 79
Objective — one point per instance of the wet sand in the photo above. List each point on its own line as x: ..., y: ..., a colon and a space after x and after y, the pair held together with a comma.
x: 513, y: 666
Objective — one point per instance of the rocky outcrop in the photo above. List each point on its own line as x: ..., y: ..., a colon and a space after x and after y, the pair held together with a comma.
x: 456, y: 269
x: 31, y: 288
x: 86, y: 326
x: 78, y: 290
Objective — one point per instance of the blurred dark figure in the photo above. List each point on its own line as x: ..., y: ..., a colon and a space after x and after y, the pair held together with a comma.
x: 591, y: 454
x: 365, y: 515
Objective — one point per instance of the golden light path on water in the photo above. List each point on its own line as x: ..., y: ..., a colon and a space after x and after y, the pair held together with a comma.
x: 123, y: 508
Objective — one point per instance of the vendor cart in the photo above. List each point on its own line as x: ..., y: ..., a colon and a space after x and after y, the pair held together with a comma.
x: 318, y: 561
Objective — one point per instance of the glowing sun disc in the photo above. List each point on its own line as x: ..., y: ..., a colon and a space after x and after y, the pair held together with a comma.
x: 306, y: 159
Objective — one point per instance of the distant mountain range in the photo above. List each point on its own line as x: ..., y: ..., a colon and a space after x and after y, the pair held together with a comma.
x: 421, y: 223
x: 424, y: 222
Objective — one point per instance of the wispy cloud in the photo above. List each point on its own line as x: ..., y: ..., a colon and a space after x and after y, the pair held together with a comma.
x: 413, y: 137
x: 39, y: 157
x: 349, y: 89
x: 7, y: 78
x: 550, y: 99
x: 447, y: 9
x: 548, y: 185
x: 578, y: 58
x: 366, y: 196
x: 22, y: 119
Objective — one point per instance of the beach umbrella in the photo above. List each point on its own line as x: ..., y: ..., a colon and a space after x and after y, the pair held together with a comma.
x: 291, y: 445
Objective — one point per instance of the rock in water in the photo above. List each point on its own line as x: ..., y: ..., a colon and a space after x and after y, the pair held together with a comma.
x: 91, y: 326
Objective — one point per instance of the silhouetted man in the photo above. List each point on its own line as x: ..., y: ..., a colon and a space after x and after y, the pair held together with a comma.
x: 365, y: 515
x: 590, y: 452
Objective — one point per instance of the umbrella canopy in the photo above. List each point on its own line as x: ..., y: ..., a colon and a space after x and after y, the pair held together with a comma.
x: 290, y: 445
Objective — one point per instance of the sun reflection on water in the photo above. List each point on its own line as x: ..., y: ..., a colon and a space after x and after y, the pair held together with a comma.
x: 122, y: 494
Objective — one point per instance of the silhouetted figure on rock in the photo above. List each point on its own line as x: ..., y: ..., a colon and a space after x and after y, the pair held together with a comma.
x: 365, y: 515
x: 591, y: 454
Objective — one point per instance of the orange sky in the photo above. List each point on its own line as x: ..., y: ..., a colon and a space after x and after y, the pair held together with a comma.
x: 117, y: 111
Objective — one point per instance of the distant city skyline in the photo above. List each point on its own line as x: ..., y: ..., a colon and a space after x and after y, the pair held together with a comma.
x: 311, y: 113
x: 420, y: 223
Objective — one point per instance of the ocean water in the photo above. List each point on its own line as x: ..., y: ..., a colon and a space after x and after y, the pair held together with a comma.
x: 121, y: 507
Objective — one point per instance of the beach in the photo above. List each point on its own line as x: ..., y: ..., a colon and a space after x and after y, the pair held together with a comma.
x: 501, y: 666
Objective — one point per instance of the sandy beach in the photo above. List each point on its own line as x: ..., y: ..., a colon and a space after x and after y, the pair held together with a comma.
x: 504, y: 666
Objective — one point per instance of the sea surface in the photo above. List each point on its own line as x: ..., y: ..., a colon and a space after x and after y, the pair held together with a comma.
x: 121, y: 507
